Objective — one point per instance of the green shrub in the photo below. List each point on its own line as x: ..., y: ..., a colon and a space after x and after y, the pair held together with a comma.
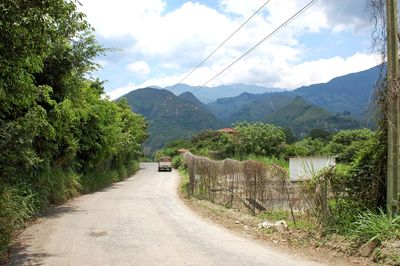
x: 201, y: 152
x: 177, y: 161
x: 347, y: 143
x: 343, y: 214
x: 259, y: 139
x: 58, y: 185
x: 185, y: 183
x: 305, y: 147
x: 269, y: 160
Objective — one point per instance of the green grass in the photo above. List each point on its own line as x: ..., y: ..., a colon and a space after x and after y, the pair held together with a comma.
x: 58, y: 185
x: 18, y: 204
x: 303, y: 221
x: 177, y: 161
x: 274, y: 215
x: 184, y: 184
x: 377, y: 227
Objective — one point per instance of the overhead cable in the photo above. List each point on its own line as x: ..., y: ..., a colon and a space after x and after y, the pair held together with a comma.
x: 219, y: 46
x: 262, y: 40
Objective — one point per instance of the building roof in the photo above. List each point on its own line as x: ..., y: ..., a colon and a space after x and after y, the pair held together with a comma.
x: 227, y: 130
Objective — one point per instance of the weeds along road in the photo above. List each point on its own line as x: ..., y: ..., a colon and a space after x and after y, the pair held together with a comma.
x: 140, y: 221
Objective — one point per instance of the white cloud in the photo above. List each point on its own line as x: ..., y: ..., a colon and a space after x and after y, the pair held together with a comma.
x: 178, y: 40
x: 161, y: 81
x: 243, y: 8
x: 140, y: 68
x: 118, y: 92
x: 345, y: 15
x: 120, y: 17
x: 183, y: 34
x: 277, y: 74
x: 323, y: 70
x: 339, y: 15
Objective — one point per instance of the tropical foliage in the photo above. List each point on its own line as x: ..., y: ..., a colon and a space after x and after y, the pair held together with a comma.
x: 59, y: 135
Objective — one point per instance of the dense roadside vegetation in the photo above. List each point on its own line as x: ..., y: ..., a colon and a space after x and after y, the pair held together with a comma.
x: 59, y: 135
x: 357, y: 182
x: 270, y: 142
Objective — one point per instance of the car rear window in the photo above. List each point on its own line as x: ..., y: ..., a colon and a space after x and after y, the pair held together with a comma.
x: 165, y: 159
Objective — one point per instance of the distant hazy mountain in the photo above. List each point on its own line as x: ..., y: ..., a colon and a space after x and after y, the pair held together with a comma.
x: 169, y: 116
x: 302, y: 117
x: 188, y: 96
x: 210, y: 94
x: 330, y: 106
x: 351, y: 94
x: 248, y: 107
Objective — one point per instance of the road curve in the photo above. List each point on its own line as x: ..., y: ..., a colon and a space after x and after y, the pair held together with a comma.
x: 140, y: 221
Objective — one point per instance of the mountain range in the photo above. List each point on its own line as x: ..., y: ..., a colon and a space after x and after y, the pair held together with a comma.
x: 342, y: 103
x: 301, y: 117
x: 210, y: 94
x: 169, y: 116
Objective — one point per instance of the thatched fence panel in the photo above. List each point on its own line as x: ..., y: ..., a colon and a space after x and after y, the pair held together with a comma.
x: 245, y: 185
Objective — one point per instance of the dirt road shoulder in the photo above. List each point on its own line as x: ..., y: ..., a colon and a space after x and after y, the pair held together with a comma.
x: 297, y: 241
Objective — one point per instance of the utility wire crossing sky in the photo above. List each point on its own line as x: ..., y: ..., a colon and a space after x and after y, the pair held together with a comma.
x: 262, y: 40
x: 227, y: 39
x: 160, y: 42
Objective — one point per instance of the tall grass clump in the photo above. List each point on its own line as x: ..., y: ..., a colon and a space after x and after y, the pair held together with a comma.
x: 99, y: 179
x: 375, y: 226
x: 17, y: 204
x: 58, y: 185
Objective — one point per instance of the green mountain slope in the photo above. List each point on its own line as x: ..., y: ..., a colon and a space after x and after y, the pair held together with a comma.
x: 247, y: 106
x: 211, y: 94
x: 169, y: 116
x: 302, y: 117
x: 188, y: 96
x: 352, y: 93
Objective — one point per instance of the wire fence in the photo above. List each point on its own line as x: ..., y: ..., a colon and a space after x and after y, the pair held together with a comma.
x: 244, y: 185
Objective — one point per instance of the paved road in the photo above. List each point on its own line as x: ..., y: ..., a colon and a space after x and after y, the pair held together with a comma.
x: 140, y: 221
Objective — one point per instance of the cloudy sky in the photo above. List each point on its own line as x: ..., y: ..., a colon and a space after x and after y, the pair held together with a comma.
x: 159, y: 41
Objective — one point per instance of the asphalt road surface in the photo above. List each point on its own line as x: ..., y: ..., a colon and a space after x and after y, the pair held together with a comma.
x: 140, y: 221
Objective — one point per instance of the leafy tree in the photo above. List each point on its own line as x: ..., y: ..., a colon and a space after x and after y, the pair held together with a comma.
x: 345, y: 144
x: 259, y: 139
x: 205, y: 138
x: 178, y: 144
x: 305, y: 147
x: 289, y: 135
x: 214, y: 143
x: 321, y: 134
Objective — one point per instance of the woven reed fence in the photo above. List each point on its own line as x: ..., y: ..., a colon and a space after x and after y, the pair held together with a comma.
x: 244, y: 185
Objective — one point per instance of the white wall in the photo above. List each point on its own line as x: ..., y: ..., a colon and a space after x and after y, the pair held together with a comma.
x: 301, y: 168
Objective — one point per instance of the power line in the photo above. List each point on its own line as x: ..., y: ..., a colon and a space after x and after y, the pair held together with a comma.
x: 262, y: 40
x: 219, y: 46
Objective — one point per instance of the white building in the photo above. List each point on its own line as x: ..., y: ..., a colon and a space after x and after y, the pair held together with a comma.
x: 301, y: 168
